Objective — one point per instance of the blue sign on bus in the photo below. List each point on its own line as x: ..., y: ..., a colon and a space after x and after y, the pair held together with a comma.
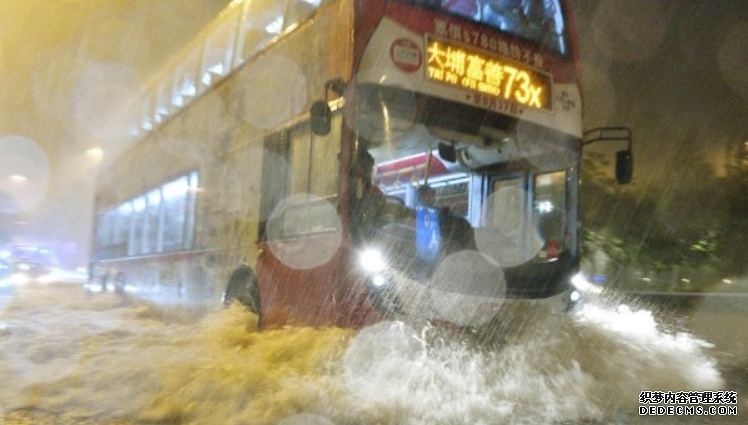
x: 427, y: 233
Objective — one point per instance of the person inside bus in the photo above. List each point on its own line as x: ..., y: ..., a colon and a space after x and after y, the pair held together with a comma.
x: 507, y: 15
x: 455, y: 231
x: 370, y: 200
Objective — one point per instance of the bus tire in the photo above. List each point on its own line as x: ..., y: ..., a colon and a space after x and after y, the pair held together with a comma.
x: 243, y: 288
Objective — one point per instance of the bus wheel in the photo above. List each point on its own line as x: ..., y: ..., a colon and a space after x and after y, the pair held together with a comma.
x: 243, y: 288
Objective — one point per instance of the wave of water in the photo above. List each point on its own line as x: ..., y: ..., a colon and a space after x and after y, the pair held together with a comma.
x: 102, y: 357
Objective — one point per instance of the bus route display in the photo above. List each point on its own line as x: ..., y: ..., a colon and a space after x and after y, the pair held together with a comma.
x: 474, y: 70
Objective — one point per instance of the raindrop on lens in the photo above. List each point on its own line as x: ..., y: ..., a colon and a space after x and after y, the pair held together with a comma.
x: 24, y: 174
x: 304, y: 231
x: 469, y: 288
x: 511, y: 236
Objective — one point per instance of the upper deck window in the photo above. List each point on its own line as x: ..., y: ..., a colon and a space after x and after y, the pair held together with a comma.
x: 538, y: 21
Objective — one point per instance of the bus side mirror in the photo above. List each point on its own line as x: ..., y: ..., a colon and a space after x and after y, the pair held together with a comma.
x: 624, y: 158
x: 320, y: 118
x: 624, y: 166
x: 447, y: 152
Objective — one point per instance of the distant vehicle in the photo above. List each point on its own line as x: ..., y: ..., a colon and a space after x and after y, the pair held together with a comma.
x: 28, y: 262
x: 298, y: 138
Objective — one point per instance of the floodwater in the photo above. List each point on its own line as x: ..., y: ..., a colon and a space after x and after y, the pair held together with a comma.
x: 106, y: 359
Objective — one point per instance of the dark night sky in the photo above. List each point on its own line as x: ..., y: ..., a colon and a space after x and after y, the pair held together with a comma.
x: 676, y: 72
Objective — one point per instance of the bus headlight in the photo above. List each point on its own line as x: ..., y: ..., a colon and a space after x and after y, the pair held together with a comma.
x: 574, y: 296
x: 573, y: 300
x: 372, y: 261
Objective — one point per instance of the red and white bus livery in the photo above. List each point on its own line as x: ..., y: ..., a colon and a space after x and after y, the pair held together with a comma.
x: 374, y: 159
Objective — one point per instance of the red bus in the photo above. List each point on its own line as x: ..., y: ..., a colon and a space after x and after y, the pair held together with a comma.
x: 345, y: 161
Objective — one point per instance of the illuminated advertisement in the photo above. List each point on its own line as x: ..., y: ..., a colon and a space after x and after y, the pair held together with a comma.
x: 472, y: 69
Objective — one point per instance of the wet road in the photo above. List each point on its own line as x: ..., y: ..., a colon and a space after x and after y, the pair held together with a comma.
x: 39, y: 417
x: 67, y: 358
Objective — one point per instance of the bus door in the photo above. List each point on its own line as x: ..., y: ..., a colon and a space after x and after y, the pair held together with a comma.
x: 527, y: 212
x: 301, y: 236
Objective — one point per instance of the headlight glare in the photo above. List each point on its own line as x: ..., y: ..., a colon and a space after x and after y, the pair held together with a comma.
x: 372, y: 261
x: 378, y: 280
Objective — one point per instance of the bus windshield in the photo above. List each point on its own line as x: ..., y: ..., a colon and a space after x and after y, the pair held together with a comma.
x: 538, y: 21
x: 495, y: 198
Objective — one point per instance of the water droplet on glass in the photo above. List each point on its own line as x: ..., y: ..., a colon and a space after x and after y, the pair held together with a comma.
x: 510, y: 236
x: 468, y: 288
x: 304, y: 231
x: 24, y: 174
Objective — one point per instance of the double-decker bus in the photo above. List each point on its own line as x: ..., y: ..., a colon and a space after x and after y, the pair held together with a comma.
x: 336, y: 162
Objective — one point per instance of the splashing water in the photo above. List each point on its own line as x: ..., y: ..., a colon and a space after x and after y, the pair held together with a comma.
x: 154, y: 364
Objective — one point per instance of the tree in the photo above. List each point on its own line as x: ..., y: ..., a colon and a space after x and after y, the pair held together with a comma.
x: 666, y: 230
x: 732, y: 241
